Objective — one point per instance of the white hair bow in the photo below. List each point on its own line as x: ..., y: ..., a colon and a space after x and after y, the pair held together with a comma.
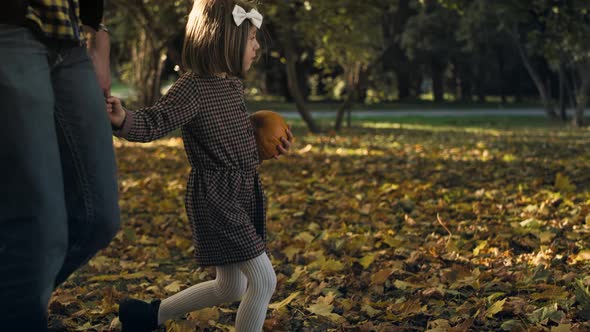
x: 240, y: 15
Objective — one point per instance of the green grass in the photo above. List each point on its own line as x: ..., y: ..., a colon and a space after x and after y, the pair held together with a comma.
x: 120, y: 89
x: 487, y: 122
x: 318, y: 106
x: 476, y: 123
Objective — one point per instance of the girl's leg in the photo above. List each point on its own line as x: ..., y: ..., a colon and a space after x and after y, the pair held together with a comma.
x: 229, y: 286
x: 261, y: 285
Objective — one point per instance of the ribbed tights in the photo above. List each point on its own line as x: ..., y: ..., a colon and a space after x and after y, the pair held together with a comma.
x: 253, y: 281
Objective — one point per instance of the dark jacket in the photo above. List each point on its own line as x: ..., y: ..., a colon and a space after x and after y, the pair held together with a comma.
x: 14, y: 11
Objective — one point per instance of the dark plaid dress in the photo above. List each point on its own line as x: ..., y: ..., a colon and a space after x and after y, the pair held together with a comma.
x: 225, y: 201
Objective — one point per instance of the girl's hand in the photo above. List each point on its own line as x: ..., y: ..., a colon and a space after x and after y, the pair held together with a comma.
x: 115, y: 111
x: 284, y: 148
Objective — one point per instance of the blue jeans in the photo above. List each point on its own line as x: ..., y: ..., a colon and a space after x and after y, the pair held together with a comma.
x: 58, y: 187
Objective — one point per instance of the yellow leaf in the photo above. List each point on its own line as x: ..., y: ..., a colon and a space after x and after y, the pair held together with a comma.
x: 87, y: 326
x: 479, y: 247
x: 325, y: 310
x: 509, y: 157
x: 279, y: 305
x: 438, y: 325
x: 347, y: 304
x: 367, y: 260
x: 333, y: 265
x: 298, y: 214
x: 391, y: 241
x: 306, y: 149
x: 101, y: 263
x: 321, y: 309
x: 495, y: 308
x: 204, y: 315
x: 372, y: 312
x: 173, y: 287
x: 112, y: 277
x: 328, y: 299
x: 408, y: 308
x: 366, y: 209
x: 531, y: 223
x: 583, y: 255
x: 551, y: 292
x: 380, y: 277
x: 290, y: 252
x: 298, y: 271
x: 153, y: 288
x: 305, y: 237
x: 583, y: 297
x: 115, y: 324
x: 562, y: 328
x: 402, y: 285
x: 562, y: 182
x: 225, y: 328
x: 546, y: 237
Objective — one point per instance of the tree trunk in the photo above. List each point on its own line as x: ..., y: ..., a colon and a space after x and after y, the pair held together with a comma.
x: 396, y: 60
x: 403, y: 84
x: 464, y: 77
x: 571, y: 88
x: 517, y: 89
x: 362, y: 86
x: 147, y: 52
x: 149, y: 61
x: 562, y: 92
x: 582, y: 94
x: 346, y: 106
x: 293, y: 83
x: 350, y: 71
x: 466, y: 94
x: 356, y: 76
x: 437, y: 71
x: 501, y: 67
x: 545, y: 97
x: 479, y: 89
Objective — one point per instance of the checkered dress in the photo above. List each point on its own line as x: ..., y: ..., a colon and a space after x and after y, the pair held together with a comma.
x: 225, y: 201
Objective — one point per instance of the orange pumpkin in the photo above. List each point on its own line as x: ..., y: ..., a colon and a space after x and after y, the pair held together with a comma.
x: 269, y: 127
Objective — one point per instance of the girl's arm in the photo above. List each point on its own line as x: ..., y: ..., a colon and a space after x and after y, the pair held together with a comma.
x: 175, y: 109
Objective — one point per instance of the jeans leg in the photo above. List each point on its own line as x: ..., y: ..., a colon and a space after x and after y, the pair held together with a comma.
x: 87, y: 158
x: 33, y: 227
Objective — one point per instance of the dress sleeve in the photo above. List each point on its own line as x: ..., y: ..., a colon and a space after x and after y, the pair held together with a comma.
x: 175, y: 109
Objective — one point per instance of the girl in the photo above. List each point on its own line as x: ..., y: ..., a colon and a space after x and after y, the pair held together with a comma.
x: 225, y: 201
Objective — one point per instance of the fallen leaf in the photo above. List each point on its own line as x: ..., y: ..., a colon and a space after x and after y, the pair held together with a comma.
x: 286, y: 301
x: 174, y: 287
x: 495, y: 308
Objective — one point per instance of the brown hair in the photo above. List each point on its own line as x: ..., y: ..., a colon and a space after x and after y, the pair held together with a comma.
x: 213, y: 43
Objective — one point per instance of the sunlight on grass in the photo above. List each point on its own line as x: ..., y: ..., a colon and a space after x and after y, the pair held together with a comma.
x: 173, y: 142
x: 393, y: 125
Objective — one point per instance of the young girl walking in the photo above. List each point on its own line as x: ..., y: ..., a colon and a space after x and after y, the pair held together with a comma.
x: 225, y: 201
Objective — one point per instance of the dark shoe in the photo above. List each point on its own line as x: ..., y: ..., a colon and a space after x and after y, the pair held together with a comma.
x: 138, y: 316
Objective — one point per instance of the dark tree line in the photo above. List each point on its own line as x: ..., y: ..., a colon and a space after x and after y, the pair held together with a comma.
x: 385, y: 50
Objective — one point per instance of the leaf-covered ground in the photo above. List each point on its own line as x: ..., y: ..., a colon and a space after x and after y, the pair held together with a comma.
x: 380, y: 228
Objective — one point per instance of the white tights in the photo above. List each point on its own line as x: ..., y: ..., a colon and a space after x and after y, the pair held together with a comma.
x: 255, y: 280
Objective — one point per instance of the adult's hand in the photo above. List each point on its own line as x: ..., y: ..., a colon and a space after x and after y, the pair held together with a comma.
x: 99, y: 49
